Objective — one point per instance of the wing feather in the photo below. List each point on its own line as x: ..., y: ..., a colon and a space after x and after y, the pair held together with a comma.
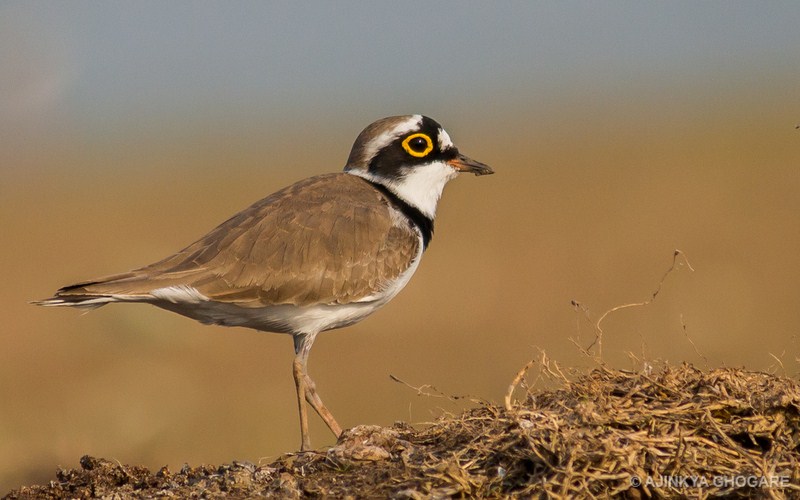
x: 330, y: 239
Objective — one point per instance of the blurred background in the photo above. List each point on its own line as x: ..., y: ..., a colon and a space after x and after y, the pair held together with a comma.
x: 619, y: 132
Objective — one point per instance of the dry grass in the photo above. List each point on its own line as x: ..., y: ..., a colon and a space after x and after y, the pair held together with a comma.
x: 681, y: 431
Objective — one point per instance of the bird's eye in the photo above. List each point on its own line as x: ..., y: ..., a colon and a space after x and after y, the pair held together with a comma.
x: 418, y: 145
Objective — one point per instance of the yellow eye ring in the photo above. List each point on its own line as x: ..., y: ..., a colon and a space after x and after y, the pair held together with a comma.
x: 416, y: 152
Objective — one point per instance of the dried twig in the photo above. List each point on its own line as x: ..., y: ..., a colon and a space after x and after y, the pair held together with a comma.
x: 515, y: 383
x: 598, y: 340
x: 696, y: 350
x: 423, y: 390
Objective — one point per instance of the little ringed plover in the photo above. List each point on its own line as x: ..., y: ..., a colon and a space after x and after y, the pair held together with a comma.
x: 323, y: 253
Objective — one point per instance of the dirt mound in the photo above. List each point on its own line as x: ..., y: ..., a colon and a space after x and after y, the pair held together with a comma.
x: 678, y: 432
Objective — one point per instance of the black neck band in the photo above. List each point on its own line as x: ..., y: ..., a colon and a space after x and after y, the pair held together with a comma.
x: 417, y: 218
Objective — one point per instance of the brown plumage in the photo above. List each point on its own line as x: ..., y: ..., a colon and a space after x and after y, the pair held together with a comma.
x: 329, y: 239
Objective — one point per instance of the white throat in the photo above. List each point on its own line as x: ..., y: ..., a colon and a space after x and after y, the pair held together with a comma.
x: 421, y: 187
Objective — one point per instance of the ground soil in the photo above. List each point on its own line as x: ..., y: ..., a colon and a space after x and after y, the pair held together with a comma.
x: 673, y: 433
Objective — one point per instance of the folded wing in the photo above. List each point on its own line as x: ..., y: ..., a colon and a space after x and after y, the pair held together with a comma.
x: 330, y: 239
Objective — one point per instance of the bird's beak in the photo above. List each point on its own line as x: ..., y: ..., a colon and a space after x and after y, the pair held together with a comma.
x: 466, y: 164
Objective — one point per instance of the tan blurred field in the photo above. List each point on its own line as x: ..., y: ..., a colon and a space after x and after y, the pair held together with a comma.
x: 588, y: 203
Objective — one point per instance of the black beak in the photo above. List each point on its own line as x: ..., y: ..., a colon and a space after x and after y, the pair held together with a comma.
x: 466, y: 164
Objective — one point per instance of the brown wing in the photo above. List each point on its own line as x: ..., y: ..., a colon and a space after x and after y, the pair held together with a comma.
x: 324, y: 240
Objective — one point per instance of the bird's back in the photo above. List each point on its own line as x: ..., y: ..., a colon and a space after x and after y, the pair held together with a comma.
x: 325, y: 241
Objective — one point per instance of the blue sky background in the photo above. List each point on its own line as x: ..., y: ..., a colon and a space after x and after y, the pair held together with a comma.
x: 87, y: 66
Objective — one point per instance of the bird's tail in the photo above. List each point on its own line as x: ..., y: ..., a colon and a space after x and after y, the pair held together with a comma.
x: 92, y: 294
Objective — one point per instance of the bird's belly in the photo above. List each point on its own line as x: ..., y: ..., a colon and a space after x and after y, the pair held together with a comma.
x: 281, y: 318
x: 285, y: 318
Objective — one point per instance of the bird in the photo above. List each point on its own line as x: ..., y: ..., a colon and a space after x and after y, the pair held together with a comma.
x: 320, y: 254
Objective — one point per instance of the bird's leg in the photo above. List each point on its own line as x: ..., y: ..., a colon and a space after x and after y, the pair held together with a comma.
x: 314, y: 400
x: 307, y: 391
x: 298, y: 370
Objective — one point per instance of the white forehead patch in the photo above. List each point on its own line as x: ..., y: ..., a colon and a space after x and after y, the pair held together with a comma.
x: 381, y: 141
x: 444, y: 140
